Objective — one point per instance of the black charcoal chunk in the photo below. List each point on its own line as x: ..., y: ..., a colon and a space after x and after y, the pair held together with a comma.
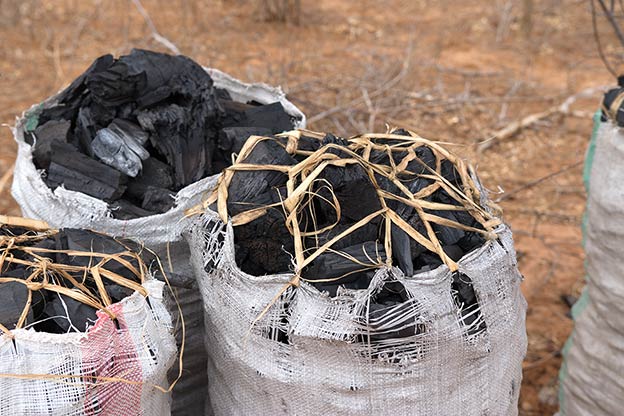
x: 69, y: 314
x: 177, y: 133
x: 232, y: 139
x: 13, y: 299
x: 254, y: 188
x: 466, y: 301
x: 154, y: 174
x: 271, y: 116
x: 89, y: 241
x: 157, y: 199
x: 392, y: 300
x: 129, y: 129
x: 77, y: 172
x: 352, y: 267
x: 85, y: 131
x: 78, y: 86
x: 46, y: 134
x: 263, y: 246
x: 113, y: 150
x: 354, y: 190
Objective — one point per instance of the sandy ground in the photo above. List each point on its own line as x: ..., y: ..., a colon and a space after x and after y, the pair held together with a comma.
x: 453, y: 71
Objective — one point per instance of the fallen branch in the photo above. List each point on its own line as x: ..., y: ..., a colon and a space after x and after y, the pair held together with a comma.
x: 563, y: 108
x: 155, y: 34
x: 531, y: 184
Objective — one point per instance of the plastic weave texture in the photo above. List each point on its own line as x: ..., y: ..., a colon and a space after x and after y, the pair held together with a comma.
x: 327, y: 366
x: 77, y: 374
x: 161, y: 233
x: 591, y: 380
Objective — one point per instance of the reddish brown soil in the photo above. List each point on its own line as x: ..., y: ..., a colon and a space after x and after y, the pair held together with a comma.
x: 470, y: 68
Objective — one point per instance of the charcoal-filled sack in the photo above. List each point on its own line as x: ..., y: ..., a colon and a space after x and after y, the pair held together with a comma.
x: 363, y: 276
x: 591, y: 375
x: 131, y: 144
x: 84, y: 328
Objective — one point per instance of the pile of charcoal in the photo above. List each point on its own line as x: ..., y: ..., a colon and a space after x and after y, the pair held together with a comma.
x: 342, y: 196
x: 62, y: 294
x: 135, y: 130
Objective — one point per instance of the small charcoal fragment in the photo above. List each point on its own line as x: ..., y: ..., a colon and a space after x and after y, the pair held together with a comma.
x: 223, y: 94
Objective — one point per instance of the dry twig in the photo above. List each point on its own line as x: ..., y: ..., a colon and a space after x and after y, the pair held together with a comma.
x: 537, y: 181
x: 564, y: 108
x: 155, y: 34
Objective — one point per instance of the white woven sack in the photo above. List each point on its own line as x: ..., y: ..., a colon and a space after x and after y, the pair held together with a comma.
x: 161, y: 233
x: 139, y: 350
x: 324, y: 370
x: 592, y: 377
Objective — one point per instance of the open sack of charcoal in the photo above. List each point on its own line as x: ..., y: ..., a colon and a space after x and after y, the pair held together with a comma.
x: 361, y: 276
x: 128, y: 146
x: 84, y: 329
x: 591, y: 373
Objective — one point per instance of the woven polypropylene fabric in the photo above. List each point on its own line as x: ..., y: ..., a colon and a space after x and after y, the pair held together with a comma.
x: 161, y: 233
x: 591, y: 377
x: 325, y: 368
x: 140, y: 352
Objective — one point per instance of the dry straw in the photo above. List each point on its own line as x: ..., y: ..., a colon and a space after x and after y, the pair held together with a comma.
x: 305, y: 177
